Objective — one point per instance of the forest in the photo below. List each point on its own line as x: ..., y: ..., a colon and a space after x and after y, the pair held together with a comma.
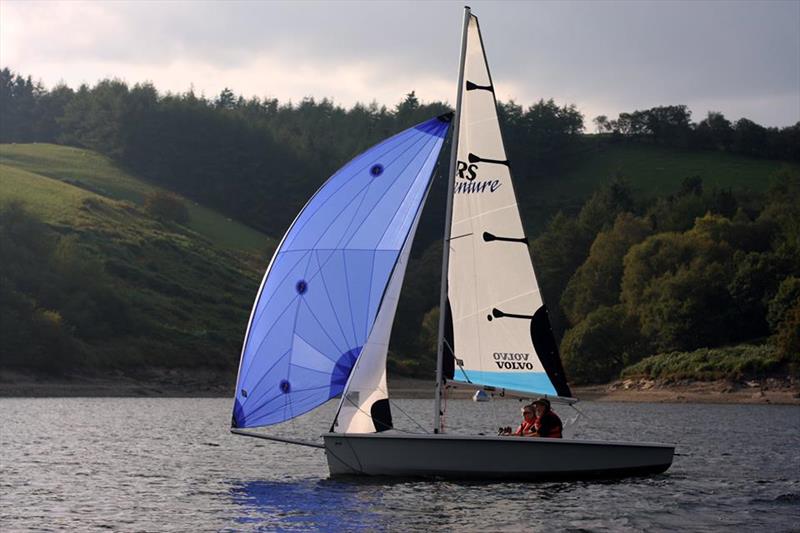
x: 635, y: 280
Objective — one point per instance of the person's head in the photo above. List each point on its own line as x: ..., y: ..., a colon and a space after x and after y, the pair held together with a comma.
x: 528, y: 412
x: 542, y: 405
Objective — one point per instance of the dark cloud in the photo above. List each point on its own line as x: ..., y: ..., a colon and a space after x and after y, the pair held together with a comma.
x: 742, y: 58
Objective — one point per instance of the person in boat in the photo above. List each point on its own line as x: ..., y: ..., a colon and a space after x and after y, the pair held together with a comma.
x: 526, y: 427
x: 547, y: 423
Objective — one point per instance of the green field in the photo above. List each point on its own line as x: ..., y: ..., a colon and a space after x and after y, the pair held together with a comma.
x: 651, y: 171
x: 98, y: 174
x: 656, y: 170
x: 183, y: 298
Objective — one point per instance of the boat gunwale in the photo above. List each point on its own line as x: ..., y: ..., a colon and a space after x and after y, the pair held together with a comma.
x: 494, y: 438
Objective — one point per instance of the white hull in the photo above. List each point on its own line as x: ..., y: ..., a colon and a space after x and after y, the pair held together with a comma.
x: 490, y: 457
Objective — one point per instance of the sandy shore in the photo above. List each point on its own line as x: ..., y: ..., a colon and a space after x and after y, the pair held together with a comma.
x: 769, y: 391
x: 174, y: 384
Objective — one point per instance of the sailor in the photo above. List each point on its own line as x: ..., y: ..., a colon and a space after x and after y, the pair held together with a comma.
x: 526, y: 427
x: 547, y: 423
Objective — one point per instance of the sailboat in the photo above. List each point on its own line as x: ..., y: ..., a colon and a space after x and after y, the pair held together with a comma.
x: 322, y: 319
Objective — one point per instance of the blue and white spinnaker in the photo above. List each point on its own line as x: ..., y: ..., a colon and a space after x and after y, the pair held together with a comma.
x: 325, y: 286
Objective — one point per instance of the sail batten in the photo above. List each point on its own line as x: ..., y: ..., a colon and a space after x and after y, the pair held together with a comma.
x: 325, y: 285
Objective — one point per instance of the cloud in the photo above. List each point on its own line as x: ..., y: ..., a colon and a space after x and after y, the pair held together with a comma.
x: 606, y: 57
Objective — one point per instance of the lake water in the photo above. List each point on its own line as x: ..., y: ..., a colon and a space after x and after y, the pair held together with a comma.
x: 132, y: 464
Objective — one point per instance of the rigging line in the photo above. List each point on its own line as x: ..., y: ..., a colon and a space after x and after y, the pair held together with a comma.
x: 420, y: 426
x: 276, y: 439
x: 455, y: 359
x: 581, y: 413
x: 369, y: 415
x: 393, y: 403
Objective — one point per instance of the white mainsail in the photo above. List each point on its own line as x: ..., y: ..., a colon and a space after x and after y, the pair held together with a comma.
x: 501, y: 333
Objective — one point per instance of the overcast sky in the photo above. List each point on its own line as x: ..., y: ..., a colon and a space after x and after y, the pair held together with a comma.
x: 741, y: 58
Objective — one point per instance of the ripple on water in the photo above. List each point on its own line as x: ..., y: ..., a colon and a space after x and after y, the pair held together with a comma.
x: 142, y: 464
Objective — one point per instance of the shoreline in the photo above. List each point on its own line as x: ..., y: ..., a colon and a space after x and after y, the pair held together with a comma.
x: 207, y: 384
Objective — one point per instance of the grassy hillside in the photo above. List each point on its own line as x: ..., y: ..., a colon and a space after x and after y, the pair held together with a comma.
x: 95, y: 282
x: 94, y: 172
x: 651, y: 170
x: 657, y: 170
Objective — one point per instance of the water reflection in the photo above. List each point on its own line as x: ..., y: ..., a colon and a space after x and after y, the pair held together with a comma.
x: 382, y: 503
x: 307, y: 504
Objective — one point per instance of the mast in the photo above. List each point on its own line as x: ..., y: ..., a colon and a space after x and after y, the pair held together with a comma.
x: 437, y: 420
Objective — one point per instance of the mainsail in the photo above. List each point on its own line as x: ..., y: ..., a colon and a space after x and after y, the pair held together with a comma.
x: 501, y: 335
x: 326, y: 284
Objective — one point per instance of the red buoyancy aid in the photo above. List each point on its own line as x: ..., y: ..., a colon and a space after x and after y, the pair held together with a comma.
x: 554, y: 431
x: 526, y: 427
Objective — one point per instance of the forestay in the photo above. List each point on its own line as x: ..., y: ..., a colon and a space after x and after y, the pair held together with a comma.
x: 317, y: 306
x: 501, y: 335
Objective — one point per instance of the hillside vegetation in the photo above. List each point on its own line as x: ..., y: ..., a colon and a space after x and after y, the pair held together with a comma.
x: 93, y: 172
x: 649, y: 170
x: 88, y: 282
x: 128, y: 240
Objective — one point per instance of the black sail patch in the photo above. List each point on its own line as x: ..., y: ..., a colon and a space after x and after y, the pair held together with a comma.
x: 381, y: 415
x: 546, y: 348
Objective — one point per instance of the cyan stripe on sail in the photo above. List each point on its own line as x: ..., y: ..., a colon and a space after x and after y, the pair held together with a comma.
x: 533, y: 382
x: 324, y: 286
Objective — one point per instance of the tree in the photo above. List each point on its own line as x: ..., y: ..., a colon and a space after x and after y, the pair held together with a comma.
x: 602, y: 125
x: 714, y: 132
x: 556, y: 254
x: 601, y: 345
x: 405, y: 110
x: 787, y: 339
x: 786, y: 298
x: 166, y: 206
x: 225, y: 100
x: 749, y: 138
x: 597, y: 282
x: 677, y: 284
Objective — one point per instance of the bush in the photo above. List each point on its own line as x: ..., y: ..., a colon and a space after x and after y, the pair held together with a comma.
x: 787, y: 298
x: 787, y: 339
x: 733, y: 362
x: 166, y: 206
